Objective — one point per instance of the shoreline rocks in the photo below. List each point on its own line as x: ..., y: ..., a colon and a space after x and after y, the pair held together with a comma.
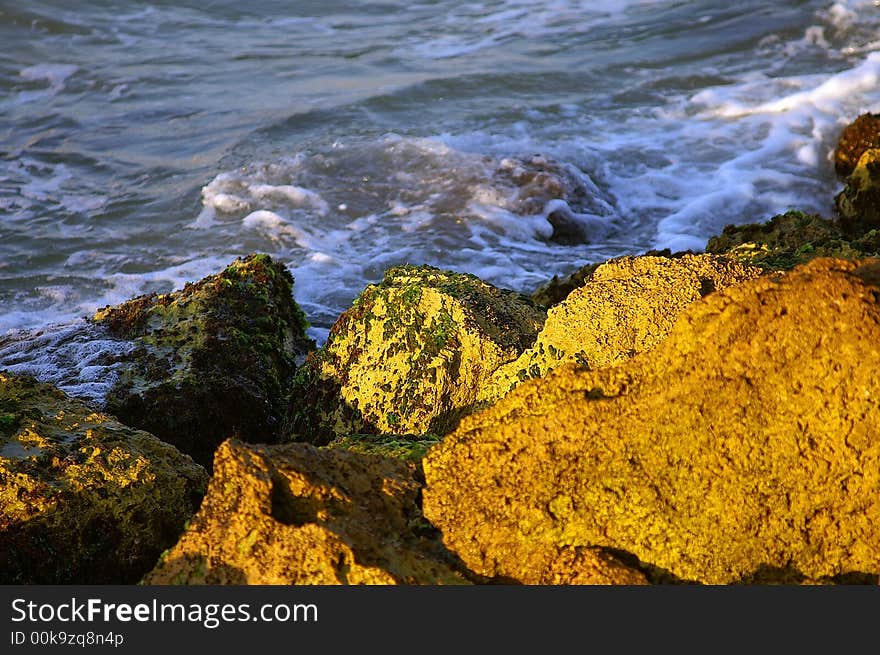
x: 83, y: 498
x: 857, y: 137
x: 789, y: 239
x: 625, y: 306
x: 410, y: 356
x: 212, y: 360
x: 668, y: 418
x: 297, y: 514
x: 743, y: 441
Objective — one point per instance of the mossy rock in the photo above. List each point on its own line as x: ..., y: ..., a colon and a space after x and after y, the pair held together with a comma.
x: 745, y: 443
x: 789, y: 239
x: 558, y: 288
x: 212, y: 360
x: 84, y: 499
x: 626, y: 306
x: 410, y: 356
x: 857, y: 137
x: 858, y: 205
x: 403, y: 447
x: 297, y: 514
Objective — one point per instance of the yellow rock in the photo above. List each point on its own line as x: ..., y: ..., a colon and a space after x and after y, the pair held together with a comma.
x: 743, y: 446
x: 84, y: 499
x: 410, y: 356
x: 626, y: 306
x: 297, y: 514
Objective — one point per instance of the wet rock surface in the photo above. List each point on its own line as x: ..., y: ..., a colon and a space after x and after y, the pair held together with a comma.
x: 212, y: 360
x: 410, y: 356
x: 84, y: 499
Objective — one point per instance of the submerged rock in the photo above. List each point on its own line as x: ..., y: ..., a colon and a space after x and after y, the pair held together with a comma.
x: 212, y: 360
x: 790, y: 239
x: 296, y: 514
x: 574, y: 206
x: 743, y: 444
x: 859, y: 203
x: 857, y: 137
x: 410, y: 356
x: 84, y: 499
x: 626, y: 306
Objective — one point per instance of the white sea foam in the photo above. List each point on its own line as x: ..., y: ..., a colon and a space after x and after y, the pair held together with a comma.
x: 79, y: 358
x: 637, y: 153
x: 404, y: 200
x: 236, y: 192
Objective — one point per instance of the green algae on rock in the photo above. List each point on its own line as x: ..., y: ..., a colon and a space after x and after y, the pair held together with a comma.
x: 744, y: 442
x: 857, y: 137
x: 626, y: 306
x: 84, y: 499
x: 858, y: 205
x: 297, y: 514
x: 790, y: 239
x: 558, y: 288
x: 410, y: 356
x: 213, y: 359
x: 406, y: 447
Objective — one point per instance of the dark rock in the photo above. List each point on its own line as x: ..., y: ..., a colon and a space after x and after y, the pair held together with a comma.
x: 212, y: 360
x: 84, y: 499
x: 860, y: 135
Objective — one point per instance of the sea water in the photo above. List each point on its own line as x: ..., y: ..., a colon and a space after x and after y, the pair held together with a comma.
x: 147, y: 144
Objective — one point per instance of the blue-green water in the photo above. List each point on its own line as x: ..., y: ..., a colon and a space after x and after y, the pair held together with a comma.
x: 145, y: 144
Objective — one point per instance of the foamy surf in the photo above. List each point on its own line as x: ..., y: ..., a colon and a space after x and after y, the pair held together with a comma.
x: 513, y: 140
x: 79, y: 358
x: 339, y: 217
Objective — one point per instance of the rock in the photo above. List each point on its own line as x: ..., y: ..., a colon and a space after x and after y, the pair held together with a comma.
x: 573, y: 205
x: 296, y: 514
x: 557, y: 289
x: 744, y: 443
x: 84, y: 499
x: 789, y: 239
x: 626, y: 306
x: 410, y: 356
x: 407, y: 447
x: 545, y: 564
x: 212, y: 360
x: 860, y: 135
x: 858, y: 205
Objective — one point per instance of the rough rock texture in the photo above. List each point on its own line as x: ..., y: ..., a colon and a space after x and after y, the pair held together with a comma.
x: 406, y: 447
x: 84, y: 499
x: 626, y: 306
x: 558, y: 288
x: 744, y: 443
x: 790, y: 239
x: 858, y: 205
x: 409, y: 356
x: 213, y: 360
x: 297, y: 514
x: 860, y: 135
